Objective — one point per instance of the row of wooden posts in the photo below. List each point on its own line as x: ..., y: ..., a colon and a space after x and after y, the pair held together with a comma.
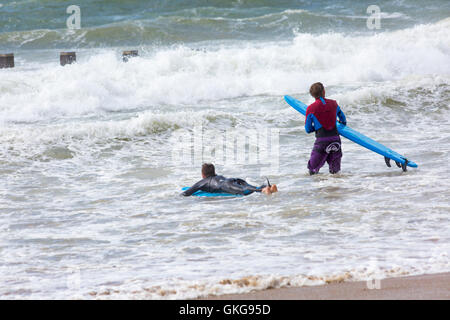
x: 7, y: 60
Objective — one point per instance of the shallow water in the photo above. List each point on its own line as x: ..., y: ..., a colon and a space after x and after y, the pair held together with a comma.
x: 89, y: 201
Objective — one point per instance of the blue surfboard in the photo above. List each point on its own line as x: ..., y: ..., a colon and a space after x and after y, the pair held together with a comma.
x: 211, y: 194
x: 359, y: 138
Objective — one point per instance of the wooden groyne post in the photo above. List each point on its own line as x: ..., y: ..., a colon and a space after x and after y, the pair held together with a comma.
x: 67, y: 58
x: 7, y: 60
x: 126, y: 55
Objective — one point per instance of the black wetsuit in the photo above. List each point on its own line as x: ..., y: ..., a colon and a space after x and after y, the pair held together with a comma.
x: 219, y: 184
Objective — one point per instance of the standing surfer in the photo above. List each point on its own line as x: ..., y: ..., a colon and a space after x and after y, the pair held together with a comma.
x: 321, y: 118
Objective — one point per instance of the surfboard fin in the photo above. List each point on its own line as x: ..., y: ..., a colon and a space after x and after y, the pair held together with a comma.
x: 404, y: 165
x: 400, y: 165
x: 388, y: 161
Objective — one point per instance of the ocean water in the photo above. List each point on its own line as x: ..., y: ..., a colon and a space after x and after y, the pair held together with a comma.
x: 89, y: 199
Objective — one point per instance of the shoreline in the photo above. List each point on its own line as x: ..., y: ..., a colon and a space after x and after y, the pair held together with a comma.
x: 420, y: 287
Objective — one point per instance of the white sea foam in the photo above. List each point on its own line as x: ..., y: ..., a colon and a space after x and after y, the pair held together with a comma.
x: 142, y: 124
x: 182, y: 76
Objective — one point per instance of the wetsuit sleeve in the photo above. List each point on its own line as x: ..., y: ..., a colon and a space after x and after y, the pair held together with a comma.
x: 309, y: 123
x: 312, y: 124
x: 341, y: 116
x: 193, y: 189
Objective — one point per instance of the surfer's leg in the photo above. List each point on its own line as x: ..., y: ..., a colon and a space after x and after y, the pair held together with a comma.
x: 334, y: 160
x: 317, y: 159
x: 237, y: 186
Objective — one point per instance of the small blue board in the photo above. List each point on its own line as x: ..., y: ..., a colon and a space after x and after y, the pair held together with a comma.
x: 211, y: 194
x: 360, y: 139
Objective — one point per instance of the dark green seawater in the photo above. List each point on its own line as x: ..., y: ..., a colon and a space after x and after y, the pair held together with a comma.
x: 42, y: 24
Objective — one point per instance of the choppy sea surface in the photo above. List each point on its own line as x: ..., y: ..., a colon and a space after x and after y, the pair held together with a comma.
x: 90, y: 179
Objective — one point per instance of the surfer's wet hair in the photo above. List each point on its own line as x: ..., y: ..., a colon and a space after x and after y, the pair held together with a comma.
x: 316, y: 90
x: 208, y: 170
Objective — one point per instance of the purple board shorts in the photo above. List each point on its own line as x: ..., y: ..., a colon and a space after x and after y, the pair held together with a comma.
x: 326, y: 149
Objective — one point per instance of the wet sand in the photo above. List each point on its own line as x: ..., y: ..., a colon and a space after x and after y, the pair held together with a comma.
x: 429, y: 286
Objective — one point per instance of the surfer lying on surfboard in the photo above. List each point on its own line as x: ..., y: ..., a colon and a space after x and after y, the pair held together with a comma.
x: 219, y: 184
x: 321, y: 119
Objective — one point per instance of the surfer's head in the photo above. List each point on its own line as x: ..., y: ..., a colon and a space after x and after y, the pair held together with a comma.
x: 317, y: 90
x: 208, y: 170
